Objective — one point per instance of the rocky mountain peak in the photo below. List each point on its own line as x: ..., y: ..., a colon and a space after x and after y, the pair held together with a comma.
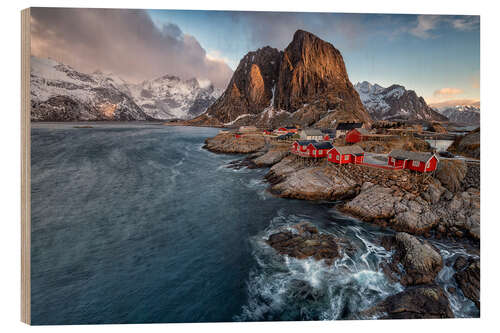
x: 314, y: 70
x: 271, y: 87
x: 251, y: 87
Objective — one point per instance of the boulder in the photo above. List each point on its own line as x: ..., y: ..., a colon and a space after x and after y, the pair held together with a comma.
x: 451, y: 173
x: 421, y: 302
x: 305, y: 241
x: 420, y: 260
x: 373, y: 202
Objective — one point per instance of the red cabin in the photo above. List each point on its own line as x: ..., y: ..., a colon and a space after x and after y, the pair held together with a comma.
x: 346, y: 154
x: 355, y: 135
x: 238, y: 135
x: 300, y: 147
x: 319, y: 149
x: 416, y: 161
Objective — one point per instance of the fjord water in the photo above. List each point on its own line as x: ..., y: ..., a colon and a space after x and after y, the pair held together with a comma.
x: 136, y: 223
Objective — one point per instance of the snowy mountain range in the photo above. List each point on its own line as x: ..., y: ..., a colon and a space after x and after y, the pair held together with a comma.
x: 466, y: 114
x: 170, y: 97
x: 60, y: 93
x: 394, y: 103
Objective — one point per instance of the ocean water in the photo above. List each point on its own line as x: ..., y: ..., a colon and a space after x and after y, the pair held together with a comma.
x: 136, y: 223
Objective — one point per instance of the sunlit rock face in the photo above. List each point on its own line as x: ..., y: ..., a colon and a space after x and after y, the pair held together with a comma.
x: 306, y: 84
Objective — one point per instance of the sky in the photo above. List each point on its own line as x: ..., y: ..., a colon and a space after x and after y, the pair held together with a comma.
x: 437, y: 56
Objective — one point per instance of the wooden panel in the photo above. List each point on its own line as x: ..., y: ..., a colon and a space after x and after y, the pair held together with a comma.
x: 25, y: 168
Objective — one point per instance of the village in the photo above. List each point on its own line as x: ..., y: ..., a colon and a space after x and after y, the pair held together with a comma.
x: 345, y: 144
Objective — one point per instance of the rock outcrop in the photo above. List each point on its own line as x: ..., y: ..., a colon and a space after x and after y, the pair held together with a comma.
x: 422, y: 302
x: 229, y: 144
x: 303, y: 241
x: 293, y: 180
x: 468, y: 278
x: 420, y: 260
x: 270, y: 158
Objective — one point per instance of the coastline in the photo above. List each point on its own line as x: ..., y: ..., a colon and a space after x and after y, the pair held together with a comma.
x: 419, y: 208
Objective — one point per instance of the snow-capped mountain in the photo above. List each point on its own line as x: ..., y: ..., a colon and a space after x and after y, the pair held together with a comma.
x: 170, y: 97
x: 467, y: 114
x: 394, y: 103
x: 60, y: 93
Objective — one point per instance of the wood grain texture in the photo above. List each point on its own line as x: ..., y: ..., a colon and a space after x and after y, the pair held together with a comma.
x: 25, y: 168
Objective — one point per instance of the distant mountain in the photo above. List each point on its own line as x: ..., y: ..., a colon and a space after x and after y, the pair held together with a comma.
x: 305, y: 84
x: 465, y: 114
x: 170, y: 97
x: 455, y: 102
x: 60, y: 93
x: 394, y: 103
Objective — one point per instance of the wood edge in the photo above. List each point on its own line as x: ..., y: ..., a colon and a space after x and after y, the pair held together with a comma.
x: 25, y: 167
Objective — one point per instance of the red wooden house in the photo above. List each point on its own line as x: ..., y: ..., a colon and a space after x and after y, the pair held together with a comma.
x: 319, y: 149
x: 355, y: 135
x: 238, y: 135
x: 346, y: 154
x: 416, y: 161
x: 299, y: 147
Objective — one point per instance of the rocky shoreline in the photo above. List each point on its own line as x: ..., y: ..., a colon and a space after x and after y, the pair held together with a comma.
x: 445, y: 204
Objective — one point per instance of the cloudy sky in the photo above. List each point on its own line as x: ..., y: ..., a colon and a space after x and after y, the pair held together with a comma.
x: 437, y: 56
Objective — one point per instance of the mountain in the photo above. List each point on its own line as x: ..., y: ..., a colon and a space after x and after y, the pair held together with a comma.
x: 305, y: 84
x: 60, y: 93
x: 170, y: 97
x: 395, y: 103
x: 465, y: 114
x: 455, y: 102
x: 251, y: 88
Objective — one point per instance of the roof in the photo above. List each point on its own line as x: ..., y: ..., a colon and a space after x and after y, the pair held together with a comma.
x: 348, y: 126
x: 305, y: 142
x: 350, y: 150
x: 328, y: 130
x: 290, y: 127
x: 312, y: 132
x: 410, y: 155
x: 322, y: 145
x: 362, y: 131
x: 284, y: 136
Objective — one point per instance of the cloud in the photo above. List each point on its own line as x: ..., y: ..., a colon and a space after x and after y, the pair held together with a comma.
x: 428, y: 24
x: 425, y: 24
x: 123, y: 41
x: 447, y: 92
x: 465, y: 23
x: 276, y: 29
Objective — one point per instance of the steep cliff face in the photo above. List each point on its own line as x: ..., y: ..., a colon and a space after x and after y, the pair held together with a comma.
x: 312, y: 70
x: 306, y: 84
x: 250, y: 90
